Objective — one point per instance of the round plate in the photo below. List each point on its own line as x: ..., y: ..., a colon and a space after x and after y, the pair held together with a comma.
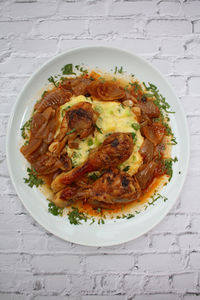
x: 112, y: 232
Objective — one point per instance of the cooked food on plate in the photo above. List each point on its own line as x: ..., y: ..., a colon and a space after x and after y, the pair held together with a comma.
x: 99, y: 145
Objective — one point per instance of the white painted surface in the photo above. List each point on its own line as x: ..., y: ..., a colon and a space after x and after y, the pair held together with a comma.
x: 165, y: 263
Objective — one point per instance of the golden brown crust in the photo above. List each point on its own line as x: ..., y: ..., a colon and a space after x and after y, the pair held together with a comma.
x: 115, y: 149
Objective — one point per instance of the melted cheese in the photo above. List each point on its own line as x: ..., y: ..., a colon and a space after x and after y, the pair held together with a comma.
x: 113, y: 117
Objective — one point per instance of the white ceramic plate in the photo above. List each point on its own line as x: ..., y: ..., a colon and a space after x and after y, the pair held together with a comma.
x: 111, y: 233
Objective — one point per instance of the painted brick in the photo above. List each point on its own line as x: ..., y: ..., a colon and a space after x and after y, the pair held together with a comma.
x: 193, y: 124
x: 57, y: 283
x: 33, y: 242
x: 13, y: 297
x: 47, y: 297
x: 157, y: 297
x: 108, y: 283
x: 56, y: 264
x: 187, y: 66
x: 138, y: 245
x: 61, y: 27
x: 195, y: 223
x: 164, y: 243
x: 186, y: 282
x: 140, y: 46
x: 117, y: 26
x: 193, y: 47
x: 164, y: 66
x: 32, y: 9
x: 35, y: 46
x: 109, y: 263
x: 17, y: 65
x: 169, y: 8
x: 197, y: 26
x: 132, y: 8
x: 133, y: 283
x: 11, y: 241
x: 174, y: 223
x: 187, y: 203
x: 15, y: 28
x: 194, y: 296
x: 191, y: 105
x: 157, y: 284
x: 72, y: 8
x: 169, y: 27
x: 160, y: 262
x: 179, y: 84
x: 10, y: 262
x: 91, y: 297
x: 172, y: 47
x: 193, y: 85
x: 195, y: 260
x: 192, y: 8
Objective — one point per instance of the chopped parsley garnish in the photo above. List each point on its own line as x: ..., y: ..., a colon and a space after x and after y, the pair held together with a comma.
x: 126, y: 168
x: 43, y: 94
x: 126, y: 88
x: 136, y: 86
x: 25, y: 127
x: 119, y: 70
x: 128, y: 216
x: 160, y: 101
x: 26, y: 143
x: 155, y: 198
x: 167, y: 128
x: 101, y: 221
x: 74, y: 157
x: 168, y: 166
x: 173, y: 141
x: 52, y: 80
x: 163, y: 106
x: 71, y: 131
x: 55, y: 210
x: 98, y: 209
x: 90, y: 142
x: 98, y: 108
x: 134, y: 136
x: 135, y: 126
x: 102, y: 79
x: 94, y: 176
x: 81, y: 69
x: 75, y: 216
x: 64, y: 110
x: 99, y: 129
x: 84, y: 71
x: 93, y: 220
x: 68, y: 70
x: 33, y: 179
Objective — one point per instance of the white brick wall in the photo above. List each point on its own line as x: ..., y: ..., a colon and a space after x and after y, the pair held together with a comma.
x: 163, y: 264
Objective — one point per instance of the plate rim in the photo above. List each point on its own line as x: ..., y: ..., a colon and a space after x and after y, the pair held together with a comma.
x: 8, y: 133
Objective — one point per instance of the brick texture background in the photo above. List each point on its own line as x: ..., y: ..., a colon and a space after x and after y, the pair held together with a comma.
x: 165, y: 263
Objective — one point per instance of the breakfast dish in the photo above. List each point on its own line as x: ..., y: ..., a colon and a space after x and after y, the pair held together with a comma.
x: 99, y: 144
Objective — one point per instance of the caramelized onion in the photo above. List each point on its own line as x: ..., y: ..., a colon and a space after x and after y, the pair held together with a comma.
x: 128, y: 103
x: 147, y: 150
x: 106, y: 91
x: 145, y: 174
x: 154, y: 132
x: 149, y: 109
